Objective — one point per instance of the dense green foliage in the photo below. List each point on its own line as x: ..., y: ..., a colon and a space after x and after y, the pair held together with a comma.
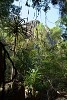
x: 40, y: 63
x: 40, y: 59
x: 49, y: 63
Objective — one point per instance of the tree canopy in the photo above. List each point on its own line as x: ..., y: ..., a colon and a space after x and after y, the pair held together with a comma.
x: 31, y: 53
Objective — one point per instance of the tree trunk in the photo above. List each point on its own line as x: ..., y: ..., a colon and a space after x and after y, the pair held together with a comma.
x: 1, y: 65
x: 33, y: 91
x: 2, y: 69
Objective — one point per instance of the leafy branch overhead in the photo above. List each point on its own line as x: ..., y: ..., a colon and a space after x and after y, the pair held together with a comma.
x: 38, y: 4
x: 45, y: 6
